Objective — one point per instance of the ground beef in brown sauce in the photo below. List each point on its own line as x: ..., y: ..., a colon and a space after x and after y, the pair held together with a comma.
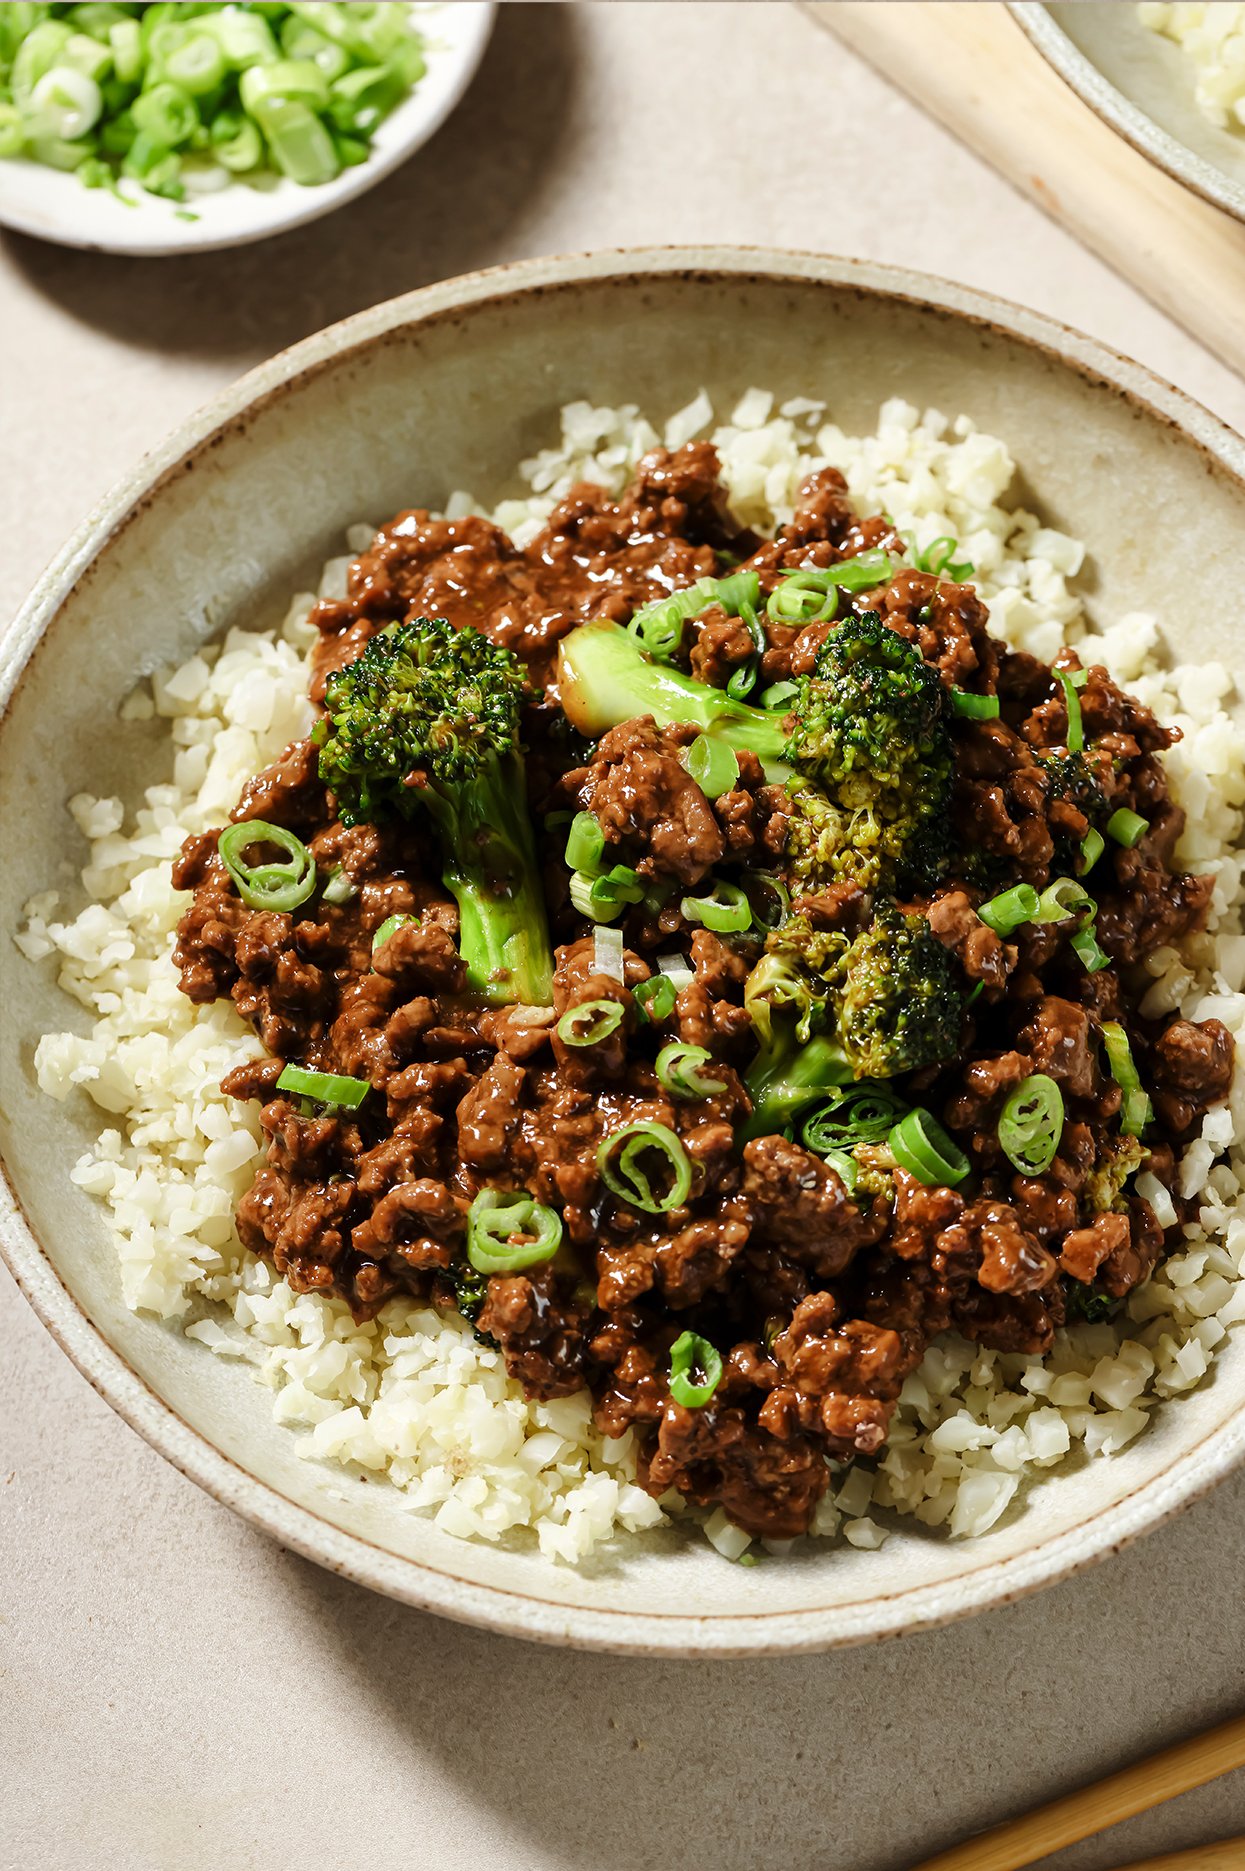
x: 819, y: 1299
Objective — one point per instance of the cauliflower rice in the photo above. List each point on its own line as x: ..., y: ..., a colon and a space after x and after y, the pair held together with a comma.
x: 1212, y: 38
x: 412, y: 1395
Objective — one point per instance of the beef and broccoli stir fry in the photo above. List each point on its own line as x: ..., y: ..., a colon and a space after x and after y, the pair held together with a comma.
x: 712, y: 964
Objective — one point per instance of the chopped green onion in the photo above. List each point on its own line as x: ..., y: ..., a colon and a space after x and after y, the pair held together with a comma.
x: 727, y: 909
x: 712, y: 764
x: 390, y: 925
x: 1136, y: 1111
x: 1076, y: 732
x: 1031, y: 1124
x: 693, y: 1357
x: 938, y: 558
x: 743, y: 680
x: 1085, y: 944
x: 1092, y: 847
x: 324, y: 1087
x: 1062, y: 899
x: 769, y: 897
x: 65, y: 103
x: 655, y: 998
x: 166, y: 113
x: 920, y: 1145
x: 862, y: 572
x: 808, y: 597
x: 863, y: 1114
x: 602, y: 898
x: 659, y: 625
x: 845, y: 1168
x: 779, y: 694
x: 675, y: 969
x: 298, y: 142
x: 608, y: 953
x: 974, y: 707
x: 291, y: 80
x: 508, y: 1232
x: 679, y: 1070
x: 339, y: 888
x: 271, y: 886
x: 1006, y: 912
x: 1127, y: 828
x: 585, y: 843
x: 197, y: 65
x: 619, y: 1160
x: 590, y: 1022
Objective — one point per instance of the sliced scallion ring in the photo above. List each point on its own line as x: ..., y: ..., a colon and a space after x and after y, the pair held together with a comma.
x: 1031, y: 1124
x: 1086, y: 946
x: 741, y: 682
x: 590, y: 1022
x: 779, y: 694
x: 712, y: 764
x: 864, y: 1114
x: 271, y: 886
x: 845, y: 1168
x: 390, y: 925
x: 655, y: 998
x: 621, y: 1162
x: 939, y: 560
x: 585, y: 843
x: 807, y: 597
x: 679, y: 1069
x: 325, y: 1087
x: 974, y: 707
x: 1127, y: 828
x: 727, y: 910
x: 659, y: 625
x: 1009, y: 910
x: 1136, y: 1111
x: 1067, y: 678
x: 1062, y: 899
x: 695, y: 1370
x: 510, y: 1231
x: 339, y: 888
x: 920, y: 1145
x: 769, y: 897
x: 1092, y: 847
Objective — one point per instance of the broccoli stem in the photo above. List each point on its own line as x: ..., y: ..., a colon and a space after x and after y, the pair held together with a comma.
x: 787, y: 1076
x: 489, y: 867
x: 605, y: 678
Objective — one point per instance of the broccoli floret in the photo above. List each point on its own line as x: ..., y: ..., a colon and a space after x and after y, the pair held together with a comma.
x: 1071, y: 777
x: 867, y: 757
x: 1119, y: 1158
x: 829, y: 1011
x: 427, y: 718
x: 1085, y: 1302
x: 868, y: 729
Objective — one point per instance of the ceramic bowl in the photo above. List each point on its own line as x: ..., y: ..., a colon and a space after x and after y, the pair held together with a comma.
x: 1142, y: 85
x: 447, y: 388
x: 55, y: 206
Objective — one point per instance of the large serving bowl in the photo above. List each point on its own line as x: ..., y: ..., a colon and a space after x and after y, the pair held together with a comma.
x: 449, y: 388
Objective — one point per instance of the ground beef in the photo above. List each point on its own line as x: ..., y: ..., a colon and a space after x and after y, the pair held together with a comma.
x: 819, y: 1301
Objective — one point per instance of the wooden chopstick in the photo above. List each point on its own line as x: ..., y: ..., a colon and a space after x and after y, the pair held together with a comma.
x: 1228, y: 1854
x: 1134, y: 1789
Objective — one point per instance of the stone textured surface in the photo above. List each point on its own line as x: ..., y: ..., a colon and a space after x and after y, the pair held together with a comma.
x: 174, y: 1690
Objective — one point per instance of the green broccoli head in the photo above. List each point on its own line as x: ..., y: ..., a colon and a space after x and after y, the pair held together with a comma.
x: 893, y: 994
x: 1118, y: 1159
x: 1071, y: 780
x: 423, y: 699
x: 869, y: 733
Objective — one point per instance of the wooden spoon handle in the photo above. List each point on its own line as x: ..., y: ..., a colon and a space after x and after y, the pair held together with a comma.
x: 1229, y: 1853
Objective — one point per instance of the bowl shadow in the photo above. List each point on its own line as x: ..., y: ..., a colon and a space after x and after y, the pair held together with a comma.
x: 459, y: 203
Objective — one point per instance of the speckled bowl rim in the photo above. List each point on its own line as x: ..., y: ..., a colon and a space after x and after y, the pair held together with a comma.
x: 1157, y: 145
x: 1190, y: 1475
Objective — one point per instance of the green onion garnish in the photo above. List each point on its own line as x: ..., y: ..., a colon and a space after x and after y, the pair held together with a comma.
x: 862, y: 572
x: 845, y: 1168
x: 1031, y: 1124
x: 590, y: 1022
x: 1092, y: 847
x: 974, y: 707
x: 779, y: 694
x: 679, y: 1070
x: 712, y: 764
x: 585, y: 843
x: 655, y: 998
x: 507, y: 1232
x: 743, y: 680
x: 1136, y: 1111
x: 1127, y: 828
x: 1076, y: 732
x: 602, y: 898
x: 803, y: 598
x: 388, y: 928
x: 920, y: 1145
x: 270, y: 886
x: 1062, y: 899
x: 693, y: 1357
x: 324, y: 1087
x: 726, y: 910
x: 339, y: 888
x: 864, y: 1114
x: 659, y: 625
x: 620, y: 1162
x: 769, y: 897
x: 1007, y: 911
x: 1085, y: 944
x: 938, y: 558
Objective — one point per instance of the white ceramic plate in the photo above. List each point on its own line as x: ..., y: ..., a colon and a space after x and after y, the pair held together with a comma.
x: 450, y: 387
x: 55, y: 206
x: 1142, y: 85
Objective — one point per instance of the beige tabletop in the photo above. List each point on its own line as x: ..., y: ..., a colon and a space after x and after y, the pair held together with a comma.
x: 175, y: 1692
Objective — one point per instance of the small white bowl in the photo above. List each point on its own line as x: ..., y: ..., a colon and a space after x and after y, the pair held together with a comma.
x: 55, y: 206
